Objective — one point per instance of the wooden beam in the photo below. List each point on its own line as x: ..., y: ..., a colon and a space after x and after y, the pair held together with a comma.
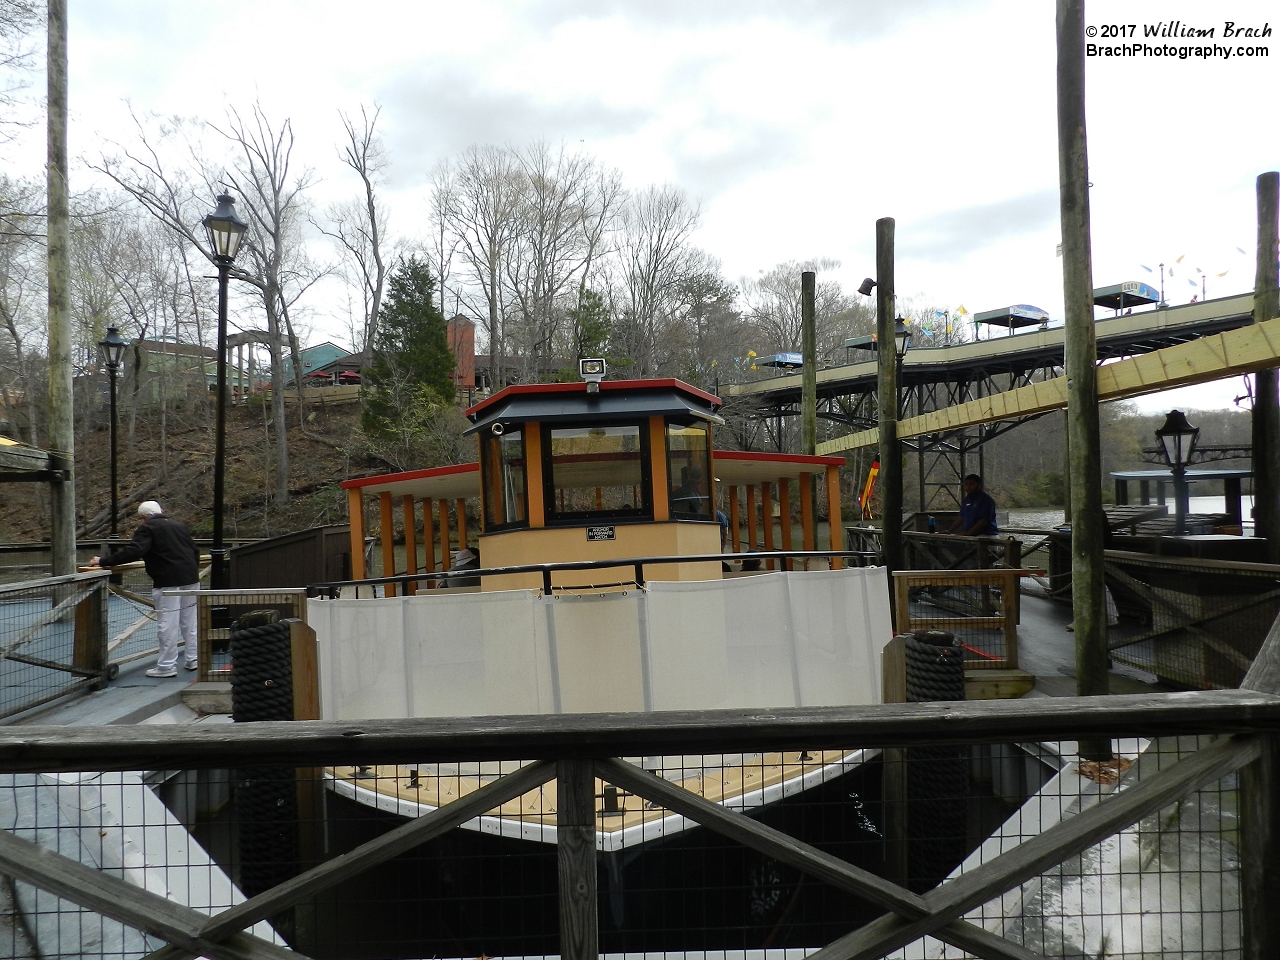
x: 445, y: 558
x: 42, y: 749
x: 534, y: 470
x: 355, y: 519
x: 766, y: 516
x: 404, y: 837
x: 735, y: 519
x: 784, y: 511
x: 806, y: 511
x: 786, y: 849
x: 751, y: 517
x: 126, y: 902
x: 658, y: 469
x: 388, y: 543
x: 1239, y: 351
x: 429, y: 538
x: 460, y: 511
x: 410, y: 543
x: 835, y: 530
x: 576, y: 859
x: 1260, y: 819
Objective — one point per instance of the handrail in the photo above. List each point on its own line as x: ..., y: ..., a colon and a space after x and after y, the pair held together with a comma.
x: 306, y: 743
x: 546, y: 569
x: 25, y: 586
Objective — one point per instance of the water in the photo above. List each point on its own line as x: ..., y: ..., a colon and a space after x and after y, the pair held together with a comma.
x: 1046, y: 518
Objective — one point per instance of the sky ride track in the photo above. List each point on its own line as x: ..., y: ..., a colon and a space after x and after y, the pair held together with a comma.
x: 954, y: 399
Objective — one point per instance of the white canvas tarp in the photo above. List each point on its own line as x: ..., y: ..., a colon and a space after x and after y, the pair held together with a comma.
x: 766, y: 641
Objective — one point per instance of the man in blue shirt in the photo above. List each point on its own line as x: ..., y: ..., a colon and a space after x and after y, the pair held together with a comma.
x: 977, y: 510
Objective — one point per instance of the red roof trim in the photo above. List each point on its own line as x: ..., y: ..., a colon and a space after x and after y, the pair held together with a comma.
x: 409, y: 475
x: 775, y: 457
x: 663, y: 384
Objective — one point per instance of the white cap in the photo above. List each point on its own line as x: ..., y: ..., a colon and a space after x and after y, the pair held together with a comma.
x: 149, y: 508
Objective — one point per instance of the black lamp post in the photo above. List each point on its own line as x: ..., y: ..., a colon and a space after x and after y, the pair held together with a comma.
x: 901, y: 344
x: 113, y: 347
x: 225, y: 229
x: 1178, y: 441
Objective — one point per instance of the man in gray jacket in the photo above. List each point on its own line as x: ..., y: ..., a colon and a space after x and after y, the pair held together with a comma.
x: 173, y: 561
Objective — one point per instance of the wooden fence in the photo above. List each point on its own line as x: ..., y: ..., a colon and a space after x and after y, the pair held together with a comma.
x: 575, y: 750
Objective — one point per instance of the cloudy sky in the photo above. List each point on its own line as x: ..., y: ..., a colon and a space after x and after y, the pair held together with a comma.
x: 796, y: 123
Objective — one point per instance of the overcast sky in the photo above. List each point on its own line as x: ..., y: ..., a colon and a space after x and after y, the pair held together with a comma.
x: 797, y: 124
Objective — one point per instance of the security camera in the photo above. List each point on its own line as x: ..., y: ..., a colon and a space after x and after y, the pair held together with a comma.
x: 593, y: 372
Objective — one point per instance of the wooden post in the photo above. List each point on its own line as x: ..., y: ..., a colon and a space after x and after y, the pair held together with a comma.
x: 766, y: 515
x: 410, y: 544
x: 576, y: 859
x: 658, y: 469
x: 355, y: 521
x: 784, y: 510
x: 1087, y: 599
x: 445, y: 558
x: 460, y: 509
x: 734, y: 520
x: 809, y: 369
x: 751, y: 517
x: 893, y: 666
x: 890, y: 479
x: 60, y: 395
x: 388, y: 544
x: 806, y: 512
x: 1266, y: 402
x: 534, y: 469
x: 89, y: 644
x: 835, y: 532
x: 429, y: 539
x: 1231, y: 495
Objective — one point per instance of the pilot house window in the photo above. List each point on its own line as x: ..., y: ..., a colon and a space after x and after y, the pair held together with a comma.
x: 503, y: 464
x: 689, y: 471
x: 597, y: 471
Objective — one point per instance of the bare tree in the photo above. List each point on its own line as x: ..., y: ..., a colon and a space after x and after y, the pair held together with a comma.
x: 359, y: 227
x: 19, y: 23
x: 274, y: 204
x: 22, y: 294
x: 654, y: 256
x: 771, y: 303
x: 478, y: 202
x: 568, y: 206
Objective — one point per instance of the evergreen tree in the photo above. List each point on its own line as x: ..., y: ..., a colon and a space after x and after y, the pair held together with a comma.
x: 408, y: 386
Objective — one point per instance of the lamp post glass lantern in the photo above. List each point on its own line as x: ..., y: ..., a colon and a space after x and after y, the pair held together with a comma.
x: 1178, y: 442
x: 112, y: 347
x: 225, y: 229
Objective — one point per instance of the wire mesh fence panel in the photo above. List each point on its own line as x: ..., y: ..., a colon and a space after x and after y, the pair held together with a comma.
x: 52, y: 639
x: 1193, y: 623
x: 1167, y: 886
x: 978, y: 607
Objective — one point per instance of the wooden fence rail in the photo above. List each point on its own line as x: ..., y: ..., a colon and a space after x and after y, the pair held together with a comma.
x: 575, y: 749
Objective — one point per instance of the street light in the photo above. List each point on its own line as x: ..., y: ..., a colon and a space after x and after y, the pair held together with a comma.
x: 113, y: 347
x: 1178, y: 442
x: 901, y: 344
x: 225, y: 229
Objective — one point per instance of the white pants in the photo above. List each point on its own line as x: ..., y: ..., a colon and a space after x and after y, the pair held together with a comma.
x: 175, y: 620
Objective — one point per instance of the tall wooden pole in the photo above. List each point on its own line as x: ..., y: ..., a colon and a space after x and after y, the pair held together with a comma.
x: 1087, y: 597
x: 809, y: 356
x: 61, y: 399
x: 890, y: 479
x: 1266, y: 403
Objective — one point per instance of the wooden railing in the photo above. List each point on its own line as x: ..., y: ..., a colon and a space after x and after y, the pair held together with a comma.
x: 573, y: 750
x: 37, y: 619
